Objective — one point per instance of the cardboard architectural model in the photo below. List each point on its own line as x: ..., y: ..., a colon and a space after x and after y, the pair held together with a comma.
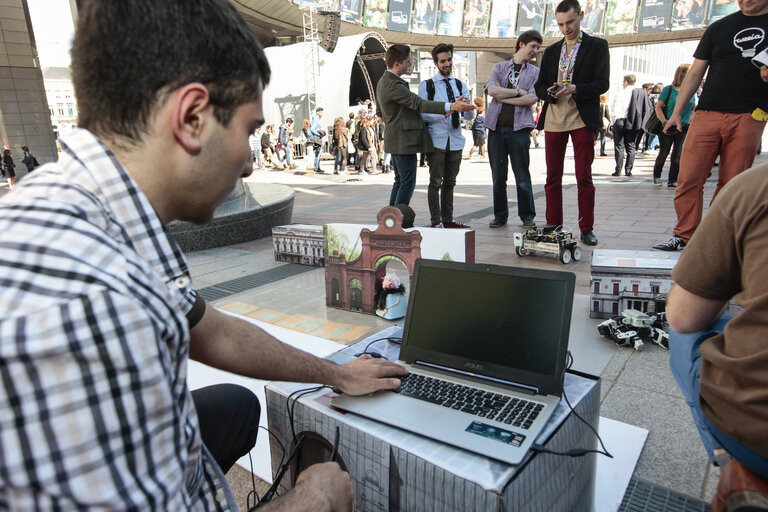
x: 357, y: 255
x: 299, y: 243
x: 638, y: 280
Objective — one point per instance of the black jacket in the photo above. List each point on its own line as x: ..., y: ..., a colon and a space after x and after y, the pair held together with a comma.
x: 591, y: 76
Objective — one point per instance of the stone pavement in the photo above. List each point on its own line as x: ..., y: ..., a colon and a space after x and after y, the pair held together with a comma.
x: 631, y: 213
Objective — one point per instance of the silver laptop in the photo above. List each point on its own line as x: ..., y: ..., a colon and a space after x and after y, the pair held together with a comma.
x: 486, y: 349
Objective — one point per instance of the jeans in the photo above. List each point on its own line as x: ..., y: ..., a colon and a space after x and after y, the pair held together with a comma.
x: 685, y: 364
x: 287, y: 157
x: 405, y: 179
x: 506, y: 143
x: 257, y: 157
x: 318, y: 149
x: 443, y: 169
x: 340, y: 163
x: 229, y: 421
x: 675, y: 143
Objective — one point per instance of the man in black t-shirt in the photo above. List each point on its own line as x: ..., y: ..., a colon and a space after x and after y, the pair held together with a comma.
x: 723, y: 123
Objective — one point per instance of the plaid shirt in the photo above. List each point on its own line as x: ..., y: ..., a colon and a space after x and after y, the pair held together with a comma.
x: 94, y: 406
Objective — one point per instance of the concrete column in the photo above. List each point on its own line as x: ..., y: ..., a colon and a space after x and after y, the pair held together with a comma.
x: 24, y: 116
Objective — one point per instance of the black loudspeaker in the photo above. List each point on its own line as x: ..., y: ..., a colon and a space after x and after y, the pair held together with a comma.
x: 330, y: 31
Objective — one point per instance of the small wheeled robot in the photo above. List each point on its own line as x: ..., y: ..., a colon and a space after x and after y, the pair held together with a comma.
x: 631, y: 328
x: 548, y: 239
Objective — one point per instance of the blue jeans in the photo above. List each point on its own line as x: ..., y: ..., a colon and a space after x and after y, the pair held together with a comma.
x: 318, y: 149
x: 257, y: 157
x: 685, y: 363
x: 286, y: 156
x: 405, y: 179
x: 504, y: 142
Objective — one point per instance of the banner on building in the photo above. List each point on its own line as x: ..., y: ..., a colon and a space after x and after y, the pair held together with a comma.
x: 620, y: 17
x: 451, y: 12
x: 424, y: 16
x: 503, y: 17
x: 654, y: 16
x: 399, y: 15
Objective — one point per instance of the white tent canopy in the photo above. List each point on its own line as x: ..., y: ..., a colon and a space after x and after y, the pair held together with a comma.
x: 346, y: 76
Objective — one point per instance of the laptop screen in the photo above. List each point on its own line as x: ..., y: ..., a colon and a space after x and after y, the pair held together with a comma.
x: 500, y: 322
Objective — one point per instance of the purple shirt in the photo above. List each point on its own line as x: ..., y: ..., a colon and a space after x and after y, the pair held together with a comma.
x: 528, y: 76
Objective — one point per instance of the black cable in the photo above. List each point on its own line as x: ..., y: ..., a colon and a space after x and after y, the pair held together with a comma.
x: 393, y: 339
x: 300, y: 393
x: 253, y: 492
x: 335, y: 451
x: 575, y: 452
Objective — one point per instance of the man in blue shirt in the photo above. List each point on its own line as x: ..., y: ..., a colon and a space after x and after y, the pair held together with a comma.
x: 445, y: 130
x: 317, y: 133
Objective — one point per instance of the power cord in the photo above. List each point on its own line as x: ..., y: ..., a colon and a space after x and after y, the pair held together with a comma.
x: 253, y: 494
x: 575, y: 452
x: 393, y: 339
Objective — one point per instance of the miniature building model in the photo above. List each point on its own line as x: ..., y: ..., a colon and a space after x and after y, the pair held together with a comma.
x: 622, y: 280
x: 357, y: 255
x: 299, y: 243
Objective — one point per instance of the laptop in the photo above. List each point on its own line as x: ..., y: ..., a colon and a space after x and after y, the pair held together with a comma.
x: 486, y: 349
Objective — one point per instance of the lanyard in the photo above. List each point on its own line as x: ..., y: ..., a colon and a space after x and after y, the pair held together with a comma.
x: 567, y: 61
x: 514, y: 76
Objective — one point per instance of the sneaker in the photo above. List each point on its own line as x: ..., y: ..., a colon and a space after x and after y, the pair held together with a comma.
x: 528, y: 223
x: 657, y: 181
x: 438, y: 225
x: 672, y: 185
x: 616, y: 173
x: 673, y: 244
x: 455, y: 225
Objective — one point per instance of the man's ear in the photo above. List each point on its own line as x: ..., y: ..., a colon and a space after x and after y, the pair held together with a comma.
x: 191, y: 111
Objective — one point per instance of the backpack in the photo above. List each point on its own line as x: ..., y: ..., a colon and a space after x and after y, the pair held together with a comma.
x: 431, y: 88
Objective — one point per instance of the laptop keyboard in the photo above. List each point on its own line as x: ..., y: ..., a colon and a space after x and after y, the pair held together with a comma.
x: 485, y: 404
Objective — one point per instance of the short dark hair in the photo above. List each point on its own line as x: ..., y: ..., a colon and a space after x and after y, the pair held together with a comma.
x: 630, y: 79
x: 289, y: 120
x: 441, y: 48
x: 319, y: 109
x: 127, y: 56
x: 567, y: 5
x: 528, y: 36
x: 397, y: 53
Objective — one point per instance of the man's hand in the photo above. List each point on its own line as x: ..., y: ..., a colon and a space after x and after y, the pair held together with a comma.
x: 320, y: 487
x: 367, y: 374
x: 461, y: 105
x: 764, y: 73
x: 567, y: 90
x: 675, y: 120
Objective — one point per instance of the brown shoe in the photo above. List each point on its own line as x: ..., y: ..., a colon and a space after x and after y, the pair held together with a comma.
x: 740, y: 489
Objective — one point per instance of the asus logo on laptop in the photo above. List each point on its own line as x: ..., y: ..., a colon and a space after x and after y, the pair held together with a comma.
x: 473, y: 366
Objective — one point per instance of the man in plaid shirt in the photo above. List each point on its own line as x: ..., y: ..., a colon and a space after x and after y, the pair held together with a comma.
x: 99, y: 316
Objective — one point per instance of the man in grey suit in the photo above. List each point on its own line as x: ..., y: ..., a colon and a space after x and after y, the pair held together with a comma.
x: 401, y: 110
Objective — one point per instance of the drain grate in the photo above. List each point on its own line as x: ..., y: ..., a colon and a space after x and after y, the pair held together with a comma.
x: 646, y: 497
x: 249, y: 282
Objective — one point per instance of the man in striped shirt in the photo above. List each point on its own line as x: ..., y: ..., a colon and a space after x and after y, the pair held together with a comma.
x: 99, y: 316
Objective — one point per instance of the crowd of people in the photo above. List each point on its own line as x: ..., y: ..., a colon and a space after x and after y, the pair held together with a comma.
x: 101, y: 317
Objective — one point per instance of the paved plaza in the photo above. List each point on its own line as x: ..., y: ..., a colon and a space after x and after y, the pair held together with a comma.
x: 631, y: 213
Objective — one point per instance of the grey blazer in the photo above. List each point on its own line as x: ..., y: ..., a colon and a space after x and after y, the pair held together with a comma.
x: 401, y: 110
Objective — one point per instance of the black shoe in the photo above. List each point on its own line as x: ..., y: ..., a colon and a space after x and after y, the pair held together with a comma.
x: 496, y: 223
x: 657, y: 181
x: 588, y: 238
x: 673, y: 244
x: 528, y: 223
x: 603, y: 154
x: 672, y: 185
x: 617, y: 173
x: 628, y: 173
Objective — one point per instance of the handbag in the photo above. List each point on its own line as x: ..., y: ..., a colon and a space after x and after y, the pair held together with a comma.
x: 653, y: 125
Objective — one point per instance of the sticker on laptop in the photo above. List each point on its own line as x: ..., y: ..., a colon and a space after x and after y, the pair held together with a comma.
x: 499, y: 434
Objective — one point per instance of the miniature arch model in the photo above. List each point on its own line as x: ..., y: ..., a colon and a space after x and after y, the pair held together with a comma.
x: 352, y: 284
